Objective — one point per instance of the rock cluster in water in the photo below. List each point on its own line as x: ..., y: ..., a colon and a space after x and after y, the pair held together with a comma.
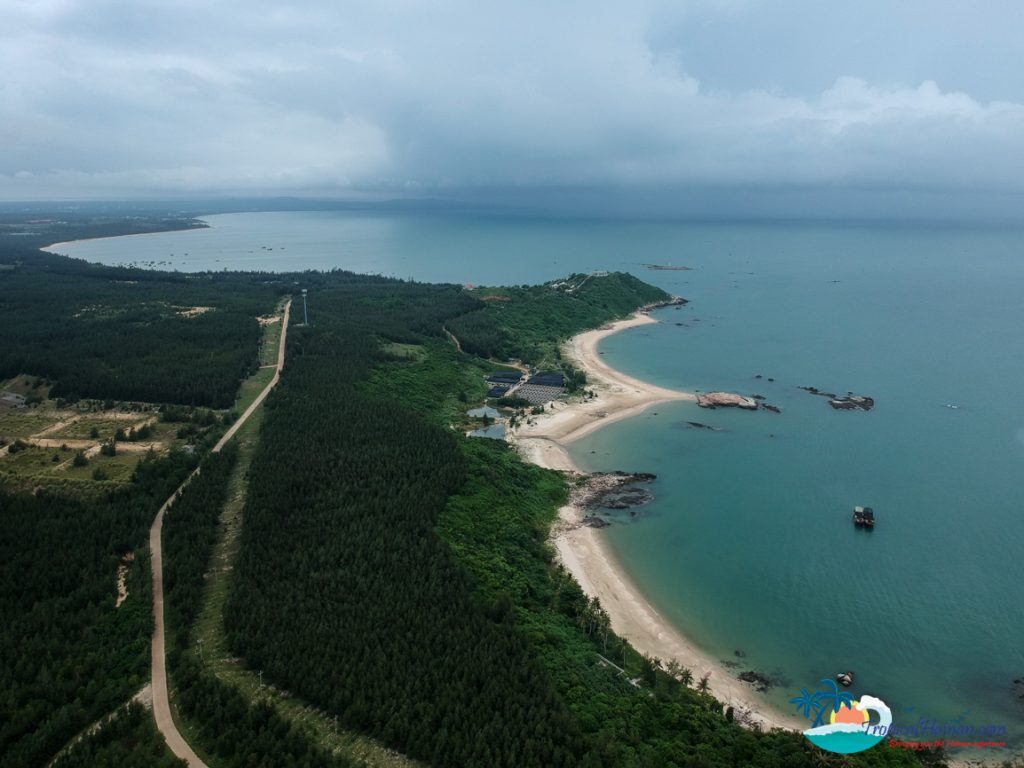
x: 726, y: 400
x: 850, y: 402
x: 611, y: 490
x: 617, y: 490
x: 732, y: 400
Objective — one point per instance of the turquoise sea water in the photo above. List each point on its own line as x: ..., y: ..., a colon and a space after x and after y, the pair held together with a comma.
x: 749, y: 543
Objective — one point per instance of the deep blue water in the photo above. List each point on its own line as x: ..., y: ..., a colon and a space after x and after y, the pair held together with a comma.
x: 749, y: 543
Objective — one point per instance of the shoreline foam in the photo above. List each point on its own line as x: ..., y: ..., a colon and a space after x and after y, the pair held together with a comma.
x: 582, y: 550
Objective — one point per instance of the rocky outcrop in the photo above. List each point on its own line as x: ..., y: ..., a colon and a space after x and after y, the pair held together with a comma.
x: 675, y: 301
x: 759, y: 680
x: 612, y: 490
x: 726, y: 400
x: 850, y: 402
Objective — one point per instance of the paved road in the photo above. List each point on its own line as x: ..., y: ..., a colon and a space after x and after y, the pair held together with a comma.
x: 161, y: 701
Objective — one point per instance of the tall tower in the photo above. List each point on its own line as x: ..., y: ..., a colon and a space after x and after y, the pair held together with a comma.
x: 305, y: 311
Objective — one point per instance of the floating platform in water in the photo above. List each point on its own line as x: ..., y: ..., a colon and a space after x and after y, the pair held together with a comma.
x: 864, y: 517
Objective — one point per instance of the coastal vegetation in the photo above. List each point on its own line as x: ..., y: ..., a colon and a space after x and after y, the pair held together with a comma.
x: 398, y: 577
x: 389, y: 572
x: 530, y: 322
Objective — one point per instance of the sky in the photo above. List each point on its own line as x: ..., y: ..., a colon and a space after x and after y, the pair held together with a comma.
x: 761, y: 105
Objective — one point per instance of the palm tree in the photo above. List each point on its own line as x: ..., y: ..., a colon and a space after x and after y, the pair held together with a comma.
x: 835, y: 697
x: 704, y: 684
x: 805, y: 701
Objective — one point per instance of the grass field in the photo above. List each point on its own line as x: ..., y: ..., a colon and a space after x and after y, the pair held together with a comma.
x: 34, y: 461
x: 105, y: 427
x: 24, y: 422
x: 115, y: 468
x: 271, y: 338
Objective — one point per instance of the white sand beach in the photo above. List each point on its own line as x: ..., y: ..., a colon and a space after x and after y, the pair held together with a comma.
x: 582, y: 549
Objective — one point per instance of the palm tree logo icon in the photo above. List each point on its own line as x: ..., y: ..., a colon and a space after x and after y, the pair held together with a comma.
x: 822, y: 702
x: 841, y: 723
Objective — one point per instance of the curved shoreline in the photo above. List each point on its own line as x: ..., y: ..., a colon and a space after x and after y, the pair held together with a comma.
x: 583, y: 551
x: 51, y: 248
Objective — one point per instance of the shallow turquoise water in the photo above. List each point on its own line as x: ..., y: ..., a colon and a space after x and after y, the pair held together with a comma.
x: 749, y: 543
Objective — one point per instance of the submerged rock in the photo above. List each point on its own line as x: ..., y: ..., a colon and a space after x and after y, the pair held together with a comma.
x: 816, y: 391
x: 698, y: 425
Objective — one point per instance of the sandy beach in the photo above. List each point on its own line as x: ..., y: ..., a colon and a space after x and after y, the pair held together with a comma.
x: 582, y: 550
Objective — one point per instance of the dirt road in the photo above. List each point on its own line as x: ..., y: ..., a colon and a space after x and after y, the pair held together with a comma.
x: 161, y: 700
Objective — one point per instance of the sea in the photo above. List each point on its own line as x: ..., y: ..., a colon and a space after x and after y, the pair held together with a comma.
x: 748, y: 546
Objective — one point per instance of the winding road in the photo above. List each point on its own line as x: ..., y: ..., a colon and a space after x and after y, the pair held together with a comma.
x: 161, y: 700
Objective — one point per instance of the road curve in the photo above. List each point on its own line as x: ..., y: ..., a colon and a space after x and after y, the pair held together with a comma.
x: 161, y: 701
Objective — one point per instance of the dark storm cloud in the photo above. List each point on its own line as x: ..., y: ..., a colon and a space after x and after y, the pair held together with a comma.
x: 112, y: 98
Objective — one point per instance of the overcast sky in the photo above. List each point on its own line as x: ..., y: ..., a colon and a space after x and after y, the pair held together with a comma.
x: 113, y: 98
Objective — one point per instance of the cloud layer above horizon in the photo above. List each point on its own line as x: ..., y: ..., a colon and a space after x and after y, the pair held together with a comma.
x: 107, y: 98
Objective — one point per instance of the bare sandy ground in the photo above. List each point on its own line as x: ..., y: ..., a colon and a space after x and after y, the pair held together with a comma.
x: 582, y: 550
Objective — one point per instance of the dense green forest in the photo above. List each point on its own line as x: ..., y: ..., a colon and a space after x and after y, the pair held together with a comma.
x: 128, y: 740
x: 344, y: 594
x: 67, y: 655
x: 529, y: 322
x: 108, y: 332
x: 235, y: 731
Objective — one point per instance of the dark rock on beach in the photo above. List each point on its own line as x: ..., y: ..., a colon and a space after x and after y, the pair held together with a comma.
x: 759, y: 680
x: 613, y: 490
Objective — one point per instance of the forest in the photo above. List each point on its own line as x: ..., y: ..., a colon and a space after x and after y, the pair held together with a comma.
x: 529, y: 322
x: 227, y: 726
x: 128, y: 740
x: 114, y: 333
x: 68, y: 655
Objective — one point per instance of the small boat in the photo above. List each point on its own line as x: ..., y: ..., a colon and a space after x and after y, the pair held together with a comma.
x: 845, y: 679
x: 864, y: 517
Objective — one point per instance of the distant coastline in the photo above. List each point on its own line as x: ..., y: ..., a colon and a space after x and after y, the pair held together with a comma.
x: 188, y: 225
x: 582, y: 549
